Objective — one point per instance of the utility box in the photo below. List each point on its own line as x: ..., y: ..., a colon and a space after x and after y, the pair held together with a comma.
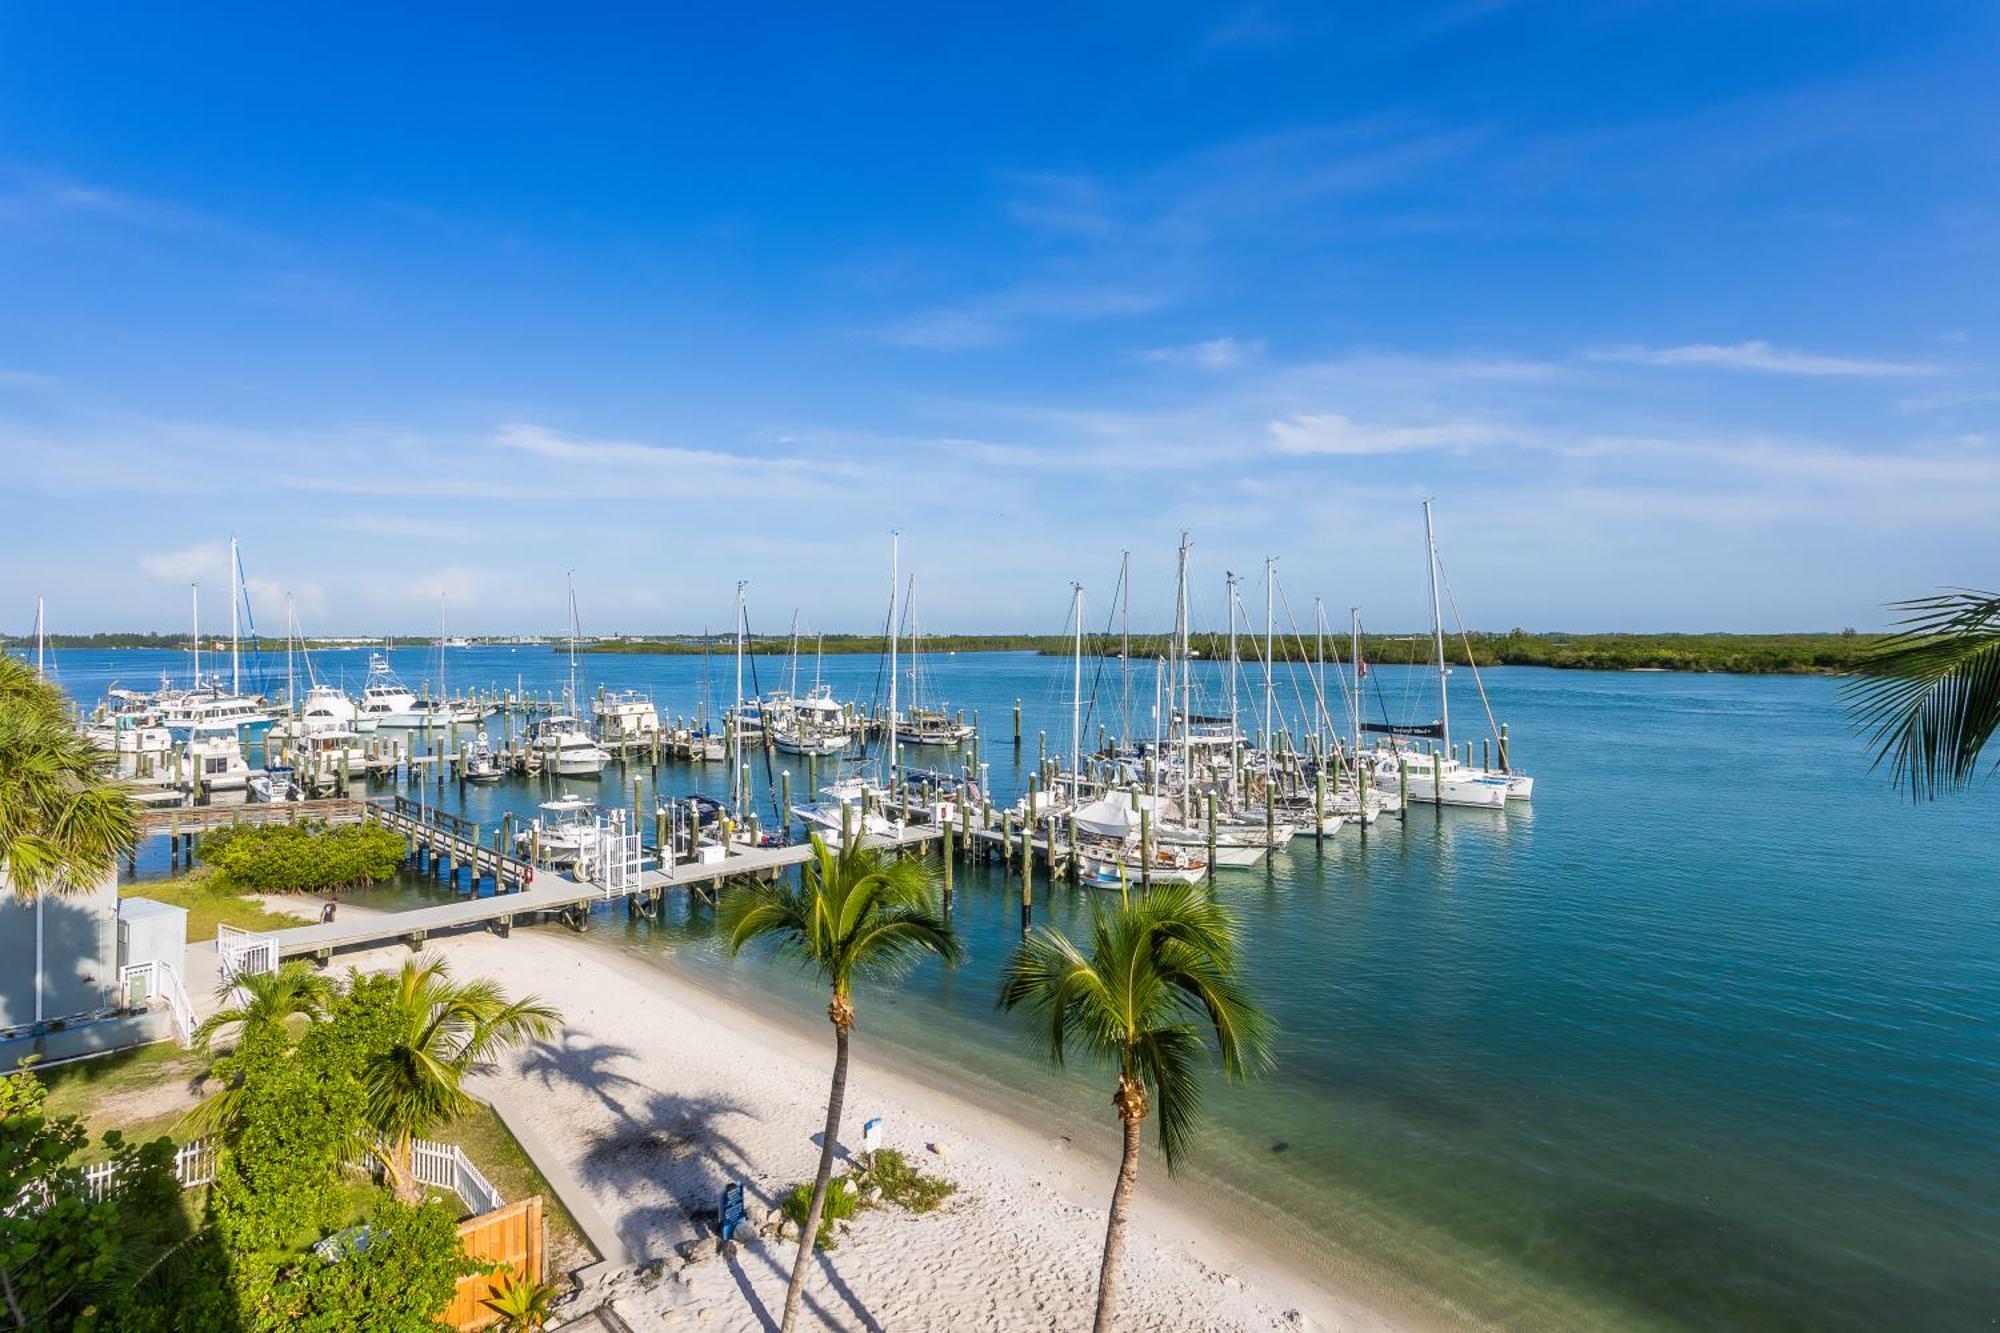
x: 152, y: 932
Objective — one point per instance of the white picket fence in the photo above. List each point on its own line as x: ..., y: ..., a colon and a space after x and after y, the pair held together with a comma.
x: 157, y: 980
x: 441, y: 1165
x: 194, y: 1165
x: 245, y: 952
x: 445, y: 1166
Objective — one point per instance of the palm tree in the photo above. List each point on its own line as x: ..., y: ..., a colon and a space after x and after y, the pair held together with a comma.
x: 1160, y: 977
x: 438, y: 1030
x: 1928, y: 695
x: 293, y: 995
x: 62, y: 822
x: 855, y: 912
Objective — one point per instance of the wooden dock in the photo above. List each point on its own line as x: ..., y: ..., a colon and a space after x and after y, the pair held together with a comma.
x: 205, y: 818
x: 548, y: 892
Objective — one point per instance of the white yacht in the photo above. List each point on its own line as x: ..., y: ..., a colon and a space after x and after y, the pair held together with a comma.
x: 481, y: 764
x: 814, y: 725
x: 626, y: 717
x: 564, y: 835
x: 273, y: 784
x: 216, y: 753
x: 566, y: 749
x: 386, y: 701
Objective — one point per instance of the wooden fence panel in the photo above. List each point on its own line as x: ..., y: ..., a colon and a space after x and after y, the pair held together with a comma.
x: 512, y: 1236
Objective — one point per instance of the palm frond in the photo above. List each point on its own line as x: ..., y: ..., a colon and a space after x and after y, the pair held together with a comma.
x: 1928, y: 696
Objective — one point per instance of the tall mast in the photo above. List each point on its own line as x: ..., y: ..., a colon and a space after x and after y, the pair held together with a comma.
x: 443, y: 694
x: 1354, y: 669
x: 40, y: 639
x: 895, y: 573
x: 1321, y: 722
x: 1270, y: 628
x: 1235, y: 730
x: 572, y: 639
x: 194, y: 591
x: 235, y: 599
x: 1187, y: 692
x: 795, y: 652
x: 736, y: 731
x: 291, y: 674
x: 1125, y: 650
x: 1076, y: 692
x: 1437, y: 628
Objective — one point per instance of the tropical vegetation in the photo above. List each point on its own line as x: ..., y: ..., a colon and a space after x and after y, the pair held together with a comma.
x: 1155, y: 992
x: 856, y: 912
x: 1928, y: 696
x: 63, y: 823
x: 307, y: 857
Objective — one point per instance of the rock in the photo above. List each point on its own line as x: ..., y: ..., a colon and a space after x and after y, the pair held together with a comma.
x: 939, y: 1150
x: 698, y: 1249
x: 788, y: 1230
x: 1297, y: 1319
x: 873, y: 1194
x: 705, y: 1315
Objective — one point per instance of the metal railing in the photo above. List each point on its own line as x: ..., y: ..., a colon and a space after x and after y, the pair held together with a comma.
x: 245, y: 952
x: 156, y: 979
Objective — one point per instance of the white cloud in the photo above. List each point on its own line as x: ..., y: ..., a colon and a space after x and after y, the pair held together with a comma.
x: 1213, y: 354
x: 1334, y: 433
x: 201, y: 560
x: 1760, y: 356
x: 995, y: 319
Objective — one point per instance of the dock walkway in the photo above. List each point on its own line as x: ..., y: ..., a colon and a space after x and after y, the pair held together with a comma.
x: 548, y: 892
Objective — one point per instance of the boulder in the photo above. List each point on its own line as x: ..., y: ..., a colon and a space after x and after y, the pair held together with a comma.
x: 939, y: 1150
x: 698, y: 1249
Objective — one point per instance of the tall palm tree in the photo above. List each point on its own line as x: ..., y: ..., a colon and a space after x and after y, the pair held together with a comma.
x: 853, y: 913
x: 1928, y: 695
x: 62, y: 821
x: 438, y: 1031
x: 1158, y: 984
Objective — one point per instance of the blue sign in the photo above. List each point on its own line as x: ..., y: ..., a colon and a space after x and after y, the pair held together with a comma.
x: 732, y: 1209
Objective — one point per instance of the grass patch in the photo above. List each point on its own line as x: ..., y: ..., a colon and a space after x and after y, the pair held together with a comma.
x: 905, y: 1186
x: 500, y: 1157
x: 842, y: 1202
x: 80, y: 1086
x: 210, y: 902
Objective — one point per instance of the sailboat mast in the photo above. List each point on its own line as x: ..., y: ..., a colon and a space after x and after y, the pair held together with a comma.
x: 572, y: 640
x: 795, y: 652
x: 40, y: 640
x: 1187, y: 691
x: 1235, y: 730
x: 1076, y: 692
x: 1321, y: 722
x: 1437, y: 628
x: 895, y: 574
x: 444, y: 694
x: 736, y: 731
x: 291, y: 672
x: 194, y: 591
x: 1354, y: 669
x: 1125, y: 650
x: 1270, y: 634
x: 235, y: 600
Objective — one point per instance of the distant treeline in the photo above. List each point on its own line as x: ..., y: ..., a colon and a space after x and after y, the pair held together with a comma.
x: 1749, y: 654
x: 170, y: 642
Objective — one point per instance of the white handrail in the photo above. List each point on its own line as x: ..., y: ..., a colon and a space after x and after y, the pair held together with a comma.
x: 163, y: 983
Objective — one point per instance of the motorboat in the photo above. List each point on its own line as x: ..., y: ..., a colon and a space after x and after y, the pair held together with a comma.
x: 626, y: 717
x: 566, y: 749
x: 215, y: 751
x: 479, y: 763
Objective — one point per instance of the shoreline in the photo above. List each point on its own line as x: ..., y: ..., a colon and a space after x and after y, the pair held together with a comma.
x: 718, y: 1077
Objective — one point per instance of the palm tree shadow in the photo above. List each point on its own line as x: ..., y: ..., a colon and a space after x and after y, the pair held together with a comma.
x: 580, y: 1063
x: 674, y: 1144
x: 846, y: 1293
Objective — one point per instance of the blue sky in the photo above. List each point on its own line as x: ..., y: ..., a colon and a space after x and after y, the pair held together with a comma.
x: 1684, y: 312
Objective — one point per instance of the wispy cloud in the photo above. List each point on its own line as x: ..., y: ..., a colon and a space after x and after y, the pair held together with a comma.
x: 1761, y: 356
x: 1335, y: 433
x: 992, y: 320
x: 199, y: 561
x: 1247, y: 29
x: 1213, y: 354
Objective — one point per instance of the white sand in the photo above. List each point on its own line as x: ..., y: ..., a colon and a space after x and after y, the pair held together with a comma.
x: 657, y: 1094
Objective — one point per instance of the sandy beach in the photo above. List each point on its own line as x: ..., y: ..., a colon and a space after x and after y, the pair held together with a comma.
x: 657, y: 1094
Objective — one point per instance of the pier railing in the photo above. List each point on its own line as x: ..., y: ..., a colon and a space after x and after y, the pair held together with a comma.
x: 156, y: 979
x: 245, y: 952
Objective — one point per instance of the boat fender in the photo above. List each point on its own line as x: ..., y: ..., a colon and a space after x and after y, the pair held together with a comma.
x: 528, y: 877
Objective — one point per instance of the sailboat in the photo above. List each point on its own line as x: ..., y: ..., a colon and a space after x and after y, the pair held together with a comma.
x: 564, y: 747
x: 1435, y: 777
x: 919, y: 725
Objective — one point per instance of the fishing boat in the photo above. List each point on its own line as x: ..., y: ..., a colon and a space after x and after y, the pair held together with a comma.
x: 386, y: 701
x: 814, y: 725
x: 566, y: 749
x: 274, y: 783
x: 563, y: 835
x: 479, y: 763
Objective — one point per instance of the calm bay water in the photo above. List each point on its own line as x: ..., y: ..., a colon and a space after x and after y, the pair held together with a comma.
x: 1707, y: 1038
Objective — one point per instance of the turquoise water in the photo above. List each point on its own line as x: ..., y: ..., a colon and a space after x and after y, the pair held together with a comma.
x: 1706, y: 1039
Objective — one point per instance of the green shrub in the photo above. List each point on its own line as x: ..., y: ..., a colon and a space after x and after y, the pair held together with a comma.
x: 842, y: 1202
x: 305, y: 857
x: 905, y: 1186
